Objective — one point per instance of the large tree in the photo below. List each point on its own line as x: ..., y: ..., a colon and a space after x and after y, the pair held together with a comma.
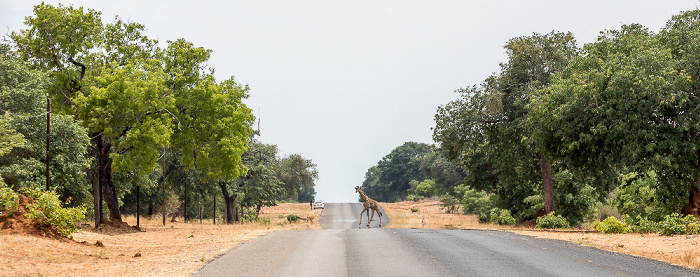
x: 390, y: 178
x: 627, y: 102
x: 486, y: 130
x: 135, y: 98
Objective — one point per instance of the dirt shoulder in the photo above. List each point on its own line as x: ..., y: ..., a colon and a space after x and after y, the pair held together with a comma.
x: 176, y: 249
x: 680, y: 250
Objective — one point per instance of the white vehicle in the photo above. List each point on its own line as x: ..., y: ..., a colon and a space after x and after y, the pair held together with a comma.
x: 319, y: 205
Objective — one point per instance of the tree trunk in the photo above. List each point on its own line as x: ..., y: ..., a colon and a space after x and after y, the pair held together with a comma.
x: 548, y: 184
x: 109, y: 192
x: 229, y: 201
x: 201, y: 209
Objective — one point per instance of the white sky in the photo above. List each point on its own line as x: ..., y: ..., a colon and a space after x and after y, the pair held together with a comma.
x: 345, y: 82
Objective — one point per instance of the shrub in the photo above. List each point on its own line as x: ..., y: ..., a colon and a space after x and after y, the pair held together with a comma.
x: 425, y: 188
x: 552, y: 221
x: 9, y: 201
x: 641, y: 225
x: 476, y: 202
x: 292, y: 218
x: 449, y: 202
x: 47, y: 209
x: 638, y: 195
x: 612, y: 225
x: 414, y: 209
x: 414, y: 197
x: 501, y: 217
x: 676, y: 224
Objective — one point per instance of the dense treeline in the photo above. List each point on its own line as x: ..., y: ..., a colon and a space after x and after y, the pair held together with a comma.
x: 130, y: 116
x: 570, y: 130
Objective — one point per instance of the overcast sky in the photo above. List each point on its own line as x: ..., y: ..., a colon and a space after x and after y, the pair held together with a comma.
x: 344, y: 82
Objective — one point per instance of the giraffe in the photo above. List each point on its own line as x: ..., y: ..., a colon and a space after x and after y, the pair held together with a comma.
x: 368, y: 204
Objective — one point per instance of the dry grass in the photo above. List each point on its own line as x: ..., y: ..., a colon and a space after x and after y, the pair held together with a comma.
x: 430, y: 215
x: 679, y: 250
x: 176, y: 249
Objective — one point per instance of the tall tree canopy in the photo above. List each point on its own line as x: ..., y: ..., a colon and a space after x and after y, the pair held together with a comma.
x: 486, y: 131
x: 135, y: 98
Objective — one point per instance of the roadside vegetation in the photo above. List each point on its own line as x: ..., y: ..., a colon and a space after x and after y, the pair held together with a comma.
x: 135, y: 127
x: 599, y: 137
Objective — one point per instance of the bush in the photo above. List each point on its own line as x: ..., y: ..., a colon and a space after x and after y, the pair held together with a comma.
x: 552, y: 221
x: 676, y: 224
x: 47, y: 209
x: 476, y: 202
x: 9, y: 201
x: 414, y: 209
x: 637, y: 195
x: 449, y: 202
x: 414, y: 198
x: 612, y: 225
x: 425, y: 188
x: 641, y: 225
x: 501, y: 217
x: 292, y: 218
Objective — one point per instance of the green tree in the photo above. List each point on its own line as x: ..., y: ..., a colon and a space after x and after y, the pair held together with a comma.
x: 134, y: 98
x: 261, y: 186
x: 298, y: 176
x: 486, y: 131
x: 23, y: 104
x: 626, y: 102
x: 390, y: 178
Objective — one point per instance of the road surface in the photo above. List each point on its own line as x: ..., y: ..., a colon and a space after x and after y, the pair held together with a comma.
x: 344, y: 249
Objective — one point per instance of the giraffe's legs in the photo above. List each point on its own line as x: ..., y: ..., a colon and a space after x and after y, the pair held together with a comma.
x: 368, y: 220
x: 380, y: 218
x: 373, y: 216
x: 361, y: 215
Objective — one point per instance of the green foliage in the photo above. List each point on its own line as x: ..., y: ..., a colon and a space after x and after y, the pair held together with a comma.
x: 612, y: 225
x: 298, y: 175
x: 574, y: 195
x: 501, y: 217
x: 450, y: 203
x: 425, y: 188
x: 292, y: 218
x: 390, y: 178
x: 637, y: 196
x: 676, y: 224
x: 9, y: 201
x: 414, y: 209
x: 641, y: 225
x: 552, y: 221
x: 475, y: 202
x: 47, y: 208
x: 414, y: 198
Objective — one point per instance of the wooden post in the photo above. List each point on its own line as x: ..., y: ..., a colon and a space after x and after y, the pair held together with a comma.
x: 138, y: 205
x: 163, y: 186
x: 48, y: 139
x: 214, y: 209
x: 185, y: 215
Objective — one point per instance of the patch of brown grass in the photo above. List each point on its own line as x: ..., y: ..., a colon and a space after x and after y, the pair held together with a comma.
x: 680, y: 250
x: 176, y: 249
x: 430, y: 215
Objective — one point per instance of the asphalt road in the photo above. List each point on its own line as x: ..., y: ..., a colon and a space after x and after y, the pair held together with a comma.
x: 343, y: 248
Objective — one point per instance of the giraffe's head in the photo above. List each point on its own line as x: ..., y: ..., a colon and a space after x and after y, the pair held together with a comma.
x: 357, y: 189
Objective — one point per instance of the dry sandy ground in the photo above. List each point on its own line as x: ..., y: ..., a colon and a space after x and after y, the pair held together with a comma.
x: 680, y: 249
x: 176, y: 249
x: 179, y: 249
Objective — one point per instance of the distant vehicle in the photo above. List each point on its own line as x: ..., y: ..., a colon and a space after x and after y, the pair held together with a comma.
x: 319, y: 205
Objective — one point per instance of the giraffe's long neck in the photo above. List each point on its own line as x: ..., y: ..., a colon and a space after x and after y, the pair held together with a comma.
x: 364, y: 196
